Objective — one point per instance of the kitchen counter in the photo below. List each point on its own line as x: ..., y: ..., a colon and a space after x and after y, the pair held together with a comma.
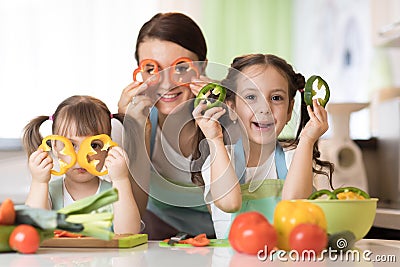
x: 151, y: 254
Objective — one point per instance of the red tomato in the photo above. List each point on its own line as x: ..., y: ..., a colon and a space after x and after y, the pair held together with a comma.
x: 307, y: 236
x: 24, y: 239
x: 251, y: 232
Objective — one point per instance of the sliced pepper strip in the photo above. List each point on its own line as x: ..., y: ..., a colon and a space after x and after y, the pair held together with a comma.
x: 200, y: 240
x: 310, y: 92
x: 68, y: 150
x: 215, y: 89
x: 86, y: 150
x: 63, y: 233
x: 350, y: 193
x: 320, y: 193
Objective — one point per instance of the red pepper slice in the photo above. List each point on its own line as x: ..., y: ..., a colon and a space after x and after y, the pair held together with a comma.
x: 68, y: 150
x: 200, y: 240
x: 86, y: 150
x: 63, y: 233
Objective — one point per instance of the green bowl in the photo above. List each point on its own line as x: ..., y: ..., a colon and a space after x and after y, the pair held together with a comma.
x: 353, y: 215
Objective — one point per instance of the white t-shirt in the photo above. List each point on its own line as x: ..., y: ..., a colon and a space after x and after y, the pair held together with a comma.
x: 67, y: 198
x: 267, y: 170
x: 169, y: 162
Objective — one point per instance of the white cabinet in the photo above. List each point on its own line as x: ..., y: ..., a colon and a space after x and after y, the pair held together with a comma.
x: 385, y: 15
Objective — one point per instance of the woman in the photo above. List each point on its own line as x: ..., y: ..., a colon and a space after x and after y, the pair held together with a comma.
x: 168, y: 45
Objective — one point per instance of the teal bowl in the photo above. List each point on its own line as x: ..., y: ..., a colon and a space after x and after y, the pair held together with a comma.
x: 356, y: 215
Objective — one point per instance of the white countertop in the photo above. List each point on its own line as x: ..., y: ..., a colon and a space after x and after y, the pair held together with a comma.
x: 151, y: 254
x: 387, y: 218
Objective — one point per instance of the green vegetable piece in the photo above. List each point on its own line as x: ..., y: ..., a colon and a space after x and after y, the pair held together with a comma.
x: 310, y: 92
x: 89, y: 204
x: 215, y: 89
x: 320, y: 193
x: 341, y: 241
x: 351, y: 189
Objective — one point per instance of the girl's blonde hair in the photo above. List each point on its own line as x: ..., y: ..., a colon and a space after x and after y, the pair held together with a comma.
x: 78, y: 115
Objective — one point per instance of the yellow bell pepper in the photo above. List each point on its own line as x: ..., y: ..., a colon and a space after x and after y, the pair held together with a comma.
x: 87, y: 150
x: 289, y: 213
x: 68, y: 150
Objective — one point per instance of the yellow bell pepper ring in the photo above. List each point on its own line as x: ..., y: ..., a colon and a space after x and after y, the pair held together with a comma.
x: 289, y: 213
x: 86, y: 150
x: 68, y: 150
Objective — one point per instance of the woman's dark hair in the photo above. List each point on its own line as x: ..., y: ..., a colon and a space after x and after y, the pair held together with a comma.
x: 177, y: 28
x: 296, y: 82
x: 182, y: 30
x: 88, y: 115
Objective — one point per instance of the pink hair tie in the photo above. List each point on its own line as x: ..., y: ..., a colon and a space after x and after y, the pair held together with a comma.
x: 51, y: 117
x: 301, y: 90
x: 111, y: 115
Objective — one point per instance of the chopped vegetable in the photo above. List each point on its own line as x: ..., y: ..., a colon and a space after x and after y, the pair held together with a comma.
x: 323, y: 192
x: 350, y: 193
x: 343, y: 193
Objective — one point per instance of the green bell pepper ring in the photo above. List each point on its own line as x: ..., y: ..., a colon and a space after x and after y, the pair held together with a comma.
x: 215, y: 89
x: 310, y: 92
x: 320, y: 193
x: 351, y: 189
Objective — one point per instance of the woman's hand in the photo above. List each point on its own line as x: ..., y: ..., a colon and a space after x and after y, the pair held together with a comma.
x: 208, y: 122
x: 317, y: 125
x: 197, y: 83
x: 40, y: 165
x: 134, y: 103
x: 117, y: 164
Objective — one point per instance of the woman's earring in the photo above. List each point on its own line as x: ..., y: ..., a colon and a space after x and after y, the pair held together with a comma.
x: 234, y: 122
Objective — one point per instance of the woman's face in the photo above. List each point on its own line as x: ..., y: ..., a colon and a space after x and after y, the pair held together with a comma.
x: 165, y: 53
x: 262, y: 103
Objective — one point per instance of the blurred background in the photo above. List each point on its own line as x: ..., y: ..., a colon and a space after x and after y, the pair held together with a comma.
x: 52, y: 49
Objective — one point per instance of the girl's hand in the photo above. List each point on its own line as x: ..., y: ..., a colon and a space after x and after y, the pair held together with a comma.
x: 317, y: 125
x: 208, y: 122
x: 198, y: 83
x: 117, y: 164
x: 40, y: 165
x: 134, y: 103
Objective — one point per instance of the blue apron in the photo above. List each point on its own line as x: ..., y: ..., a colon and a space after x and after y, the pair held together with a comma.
x: 192, y: 220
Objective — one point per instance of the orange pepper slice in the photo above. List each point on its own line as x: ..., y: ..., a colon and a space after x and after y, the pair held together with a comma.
x: 68, y: 150
x: 87, y: 150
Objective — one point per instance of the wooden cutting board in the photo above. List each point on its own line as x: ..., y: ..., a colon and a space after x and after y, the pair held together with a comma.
x: 119, y: 241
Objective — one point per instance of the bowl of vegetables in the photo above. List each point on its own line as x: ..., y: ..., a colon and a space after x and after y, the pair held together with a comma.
x: 346, y: 209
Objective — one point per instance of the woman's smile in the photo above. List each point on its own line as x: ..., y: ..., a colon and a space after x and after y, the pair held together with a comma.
x: 169, y: 97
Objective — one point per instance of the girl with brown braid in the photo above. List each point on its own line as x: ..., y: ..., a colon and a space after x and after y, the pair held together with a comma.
x: 261, y: 91
x: 75, y: 119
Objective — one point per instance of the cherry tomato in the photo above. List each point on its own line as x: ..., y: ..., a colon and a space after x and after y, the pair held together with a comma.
x: 24, y: 239
x: 307, y: 236
x: 251, y: 232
